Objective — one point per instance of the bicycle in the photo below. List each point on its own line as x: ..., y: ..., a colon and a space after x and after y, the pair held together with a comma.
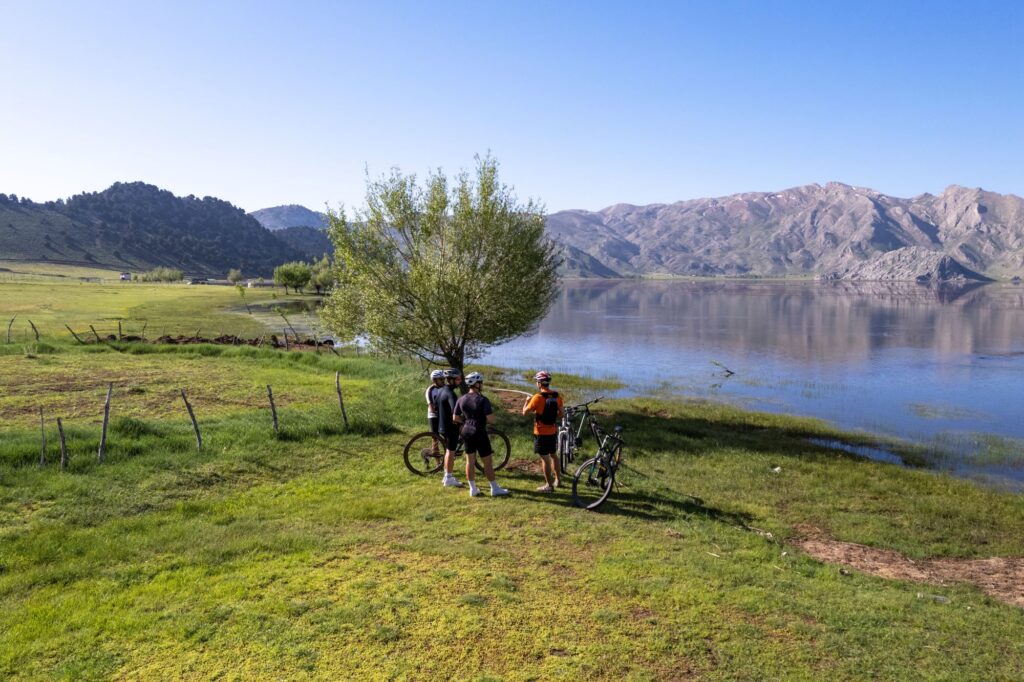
x: 594, y: 479
x: 570, y: 436
x: 424, y: 453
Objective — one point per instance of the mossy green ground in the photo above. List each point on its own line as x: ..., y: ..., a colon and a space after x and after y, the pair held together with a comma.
x: 316, y: 554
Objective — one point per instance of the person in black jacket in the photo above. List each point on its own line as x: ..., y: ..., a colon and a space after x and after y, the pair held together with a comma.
x: 444, y: 407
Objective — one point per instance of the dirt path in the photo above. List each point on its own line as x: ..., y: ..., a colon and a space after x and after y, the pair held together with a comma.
x: 1000, y: 577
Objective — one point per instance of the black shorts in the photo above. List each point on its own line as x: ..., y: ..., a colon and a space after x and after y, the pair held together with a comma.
x: 450, y: 439
x: 545, y: 445
x: 478, y: 443
x: 435, y: 424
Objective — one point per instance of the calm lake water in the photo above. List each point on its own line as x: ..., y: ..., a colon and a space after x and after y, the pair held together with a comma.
x: 942, y: 367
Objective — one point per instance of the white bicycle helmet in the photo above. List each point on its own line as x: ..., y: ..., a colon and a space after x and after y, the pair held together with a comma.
x: 451, y: 373
x: 437, y: 374
x: 474, y: 378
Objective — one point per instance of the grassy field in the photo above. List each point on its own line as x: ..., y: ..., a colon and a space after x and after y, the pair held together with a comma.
x: 171, y: 309
x: 315, y: 554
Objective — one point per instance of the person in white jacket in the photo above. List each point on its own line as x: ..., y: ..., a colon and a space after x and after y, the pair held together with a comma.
x: 436, y: 383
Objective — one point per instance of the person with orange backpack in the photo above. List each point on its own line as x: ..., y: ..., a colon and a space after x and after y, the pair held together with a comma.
x: 547, y: 409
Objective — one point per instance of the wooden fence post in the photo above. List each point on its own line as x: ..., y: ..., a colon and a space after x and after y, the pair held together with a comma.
x: 195, y: 424
x: 341, y: 401
x: 98, y: 339
x: 286, y: 346
x: 63, y: 446
x: 106, y: 418
x: 42, y: 438
x: 34, y: 330
x: 142, y: 334
x: 273, y: 410
x: 74, y: 334
x: 119, y: 335
x: 9, y: 328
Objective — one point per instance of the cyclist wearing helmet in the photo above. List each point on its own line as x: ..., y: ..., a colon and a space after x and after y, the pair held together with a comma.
x: 474, y: 412
x: 444, y: 406
x: 546, y: 407
x: 436, y: 383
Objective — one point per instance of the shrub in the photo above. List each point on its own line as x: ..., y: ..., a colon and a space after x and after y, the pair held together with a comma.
x: 161, y: 274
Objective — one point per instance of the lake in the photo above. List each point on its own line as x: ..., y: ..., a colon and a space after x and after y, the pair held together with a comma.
x: 940, y: 366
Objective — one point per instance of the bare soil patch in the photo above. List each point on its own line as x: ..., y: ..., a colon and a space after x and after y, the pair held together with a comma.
x: 999, y: 577
x: 529, y: 466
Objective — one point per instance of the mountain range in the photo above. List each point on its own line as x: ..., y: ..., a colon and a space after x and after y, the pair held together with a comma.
x: 834, y: 231
x: 831, y: 231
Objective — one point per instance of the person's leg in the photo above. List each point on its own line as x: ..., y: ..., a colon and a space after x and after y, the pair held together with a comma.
x: 556, y: 469
x: 435, y: 423
x: 545, y: 467
x: 451, y: 442
x: 496, y: 490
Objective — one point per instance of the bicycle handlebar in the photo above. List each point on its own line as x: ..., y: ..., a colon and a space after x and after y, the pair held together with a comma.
x: 588, y: 403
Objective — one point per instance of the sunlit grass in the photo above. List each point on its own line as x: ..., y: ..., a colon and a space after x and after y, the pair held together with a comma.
x: 314, y: 553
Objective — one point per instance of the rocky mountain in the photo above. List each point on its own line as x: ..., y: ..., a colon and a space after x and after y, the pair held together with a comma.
x: 134, y: 226
x: 292, y: 215
x: 833, y: 231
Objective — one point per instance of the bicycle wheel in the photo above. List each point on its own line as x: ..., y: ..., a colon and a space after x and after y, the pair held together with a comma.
x: 424, y: 454
x: 502, y: 449
x: 592, y: 483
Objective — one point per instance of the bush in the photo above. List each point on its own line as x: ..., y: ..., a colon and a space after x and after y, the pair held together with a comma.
x: 161, y: 274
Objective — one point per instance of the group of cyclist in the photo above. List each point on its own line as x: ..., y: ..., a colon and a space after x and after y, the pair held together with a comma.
x: 452, y: 416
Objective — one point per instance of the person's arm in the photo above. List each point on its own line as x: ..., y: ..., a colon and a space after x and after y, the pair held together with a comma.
x: 489, y: 411
x: 457, y: 413
x: 528, y: 407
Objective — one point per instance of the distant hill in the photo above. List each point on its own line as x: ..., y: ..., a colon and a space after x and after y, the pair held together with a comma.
x: 312, y: 242
x: 292, y: 215
x: 834, y: 231
x: 135, y: 226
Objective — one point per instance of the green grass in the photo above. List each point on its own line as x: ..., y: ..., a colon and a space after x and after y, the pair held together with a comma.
x: 163, y: 308
x: 316, y: 554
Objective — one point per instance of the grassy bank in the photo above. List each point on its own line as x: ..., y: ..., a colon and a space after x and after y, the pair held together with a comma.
x: 316, y: 553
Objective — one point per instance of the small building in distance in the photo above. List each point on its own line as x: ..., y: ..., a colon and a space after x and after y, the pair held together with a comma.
x: 126, y: 276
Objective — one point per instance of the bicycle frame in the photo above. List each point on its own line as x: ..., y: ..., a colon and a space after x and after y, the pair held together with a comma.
x: 586, y: 420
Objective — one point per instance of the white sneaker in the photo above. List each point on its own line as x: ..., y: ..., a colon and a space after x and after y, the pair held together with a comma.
x: 450, y: 482
x: 498, y: 491
x: 473, y: 491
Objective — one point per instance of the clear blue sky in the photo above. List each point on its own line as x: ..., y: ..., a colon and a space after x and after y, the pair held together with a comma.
x: 584, y: 104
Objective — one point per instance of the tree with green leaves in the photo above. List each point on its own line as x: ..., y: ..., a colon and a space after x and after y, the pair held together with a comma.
x: 235, y: 276
x: 295, y: 274
x: 441, y: 271
x: 323, y: 275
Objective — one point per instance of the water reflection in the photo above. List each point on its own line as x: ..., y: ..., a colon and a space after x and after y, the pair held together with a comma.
x: 835, y: 321
x: 926, y: 363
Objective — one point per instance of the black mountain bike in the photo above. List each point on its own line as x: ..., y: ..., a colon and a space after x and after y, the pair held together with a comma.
x: 594, y: 479
x: 424, y: 453
x: 570, y: 434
